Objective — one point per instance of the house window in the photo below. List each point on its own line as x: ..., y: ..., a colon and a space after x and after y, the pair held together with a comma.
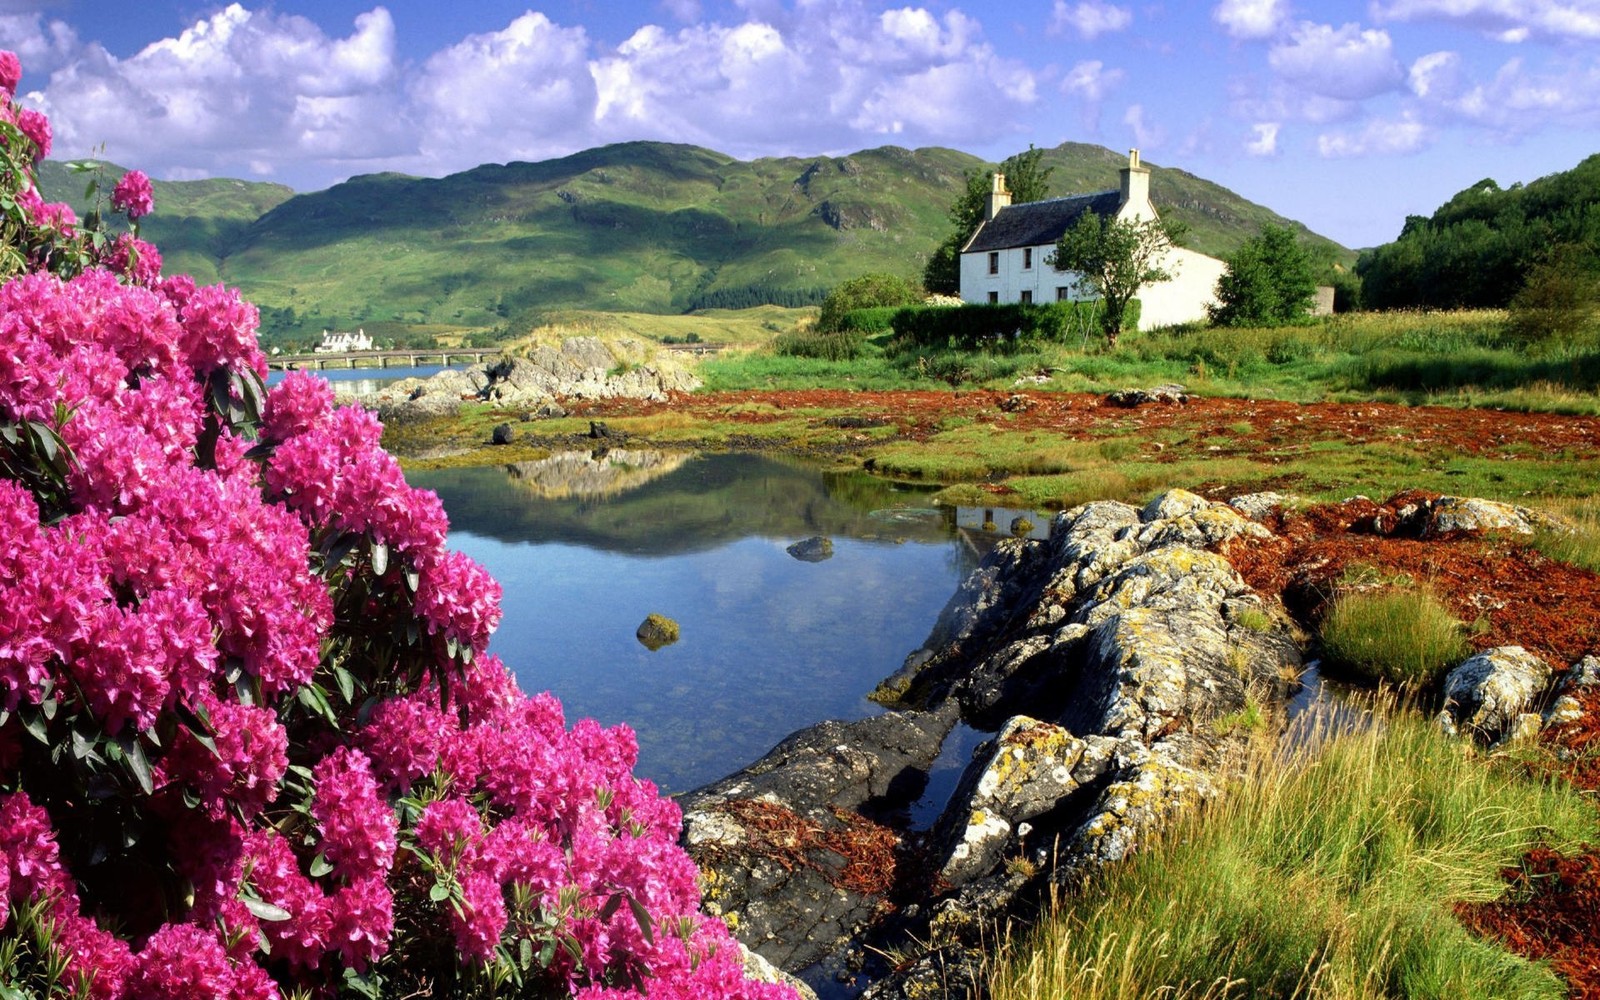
x: 1063, y: 293
x: 1027, y: 295
x: 994, y: 298
x: 994, y: 262
x: 1027, y: 258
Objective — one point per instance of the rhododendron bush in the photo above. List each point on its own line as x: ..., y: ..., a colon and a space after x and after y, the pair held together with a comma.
x: 251, y: 740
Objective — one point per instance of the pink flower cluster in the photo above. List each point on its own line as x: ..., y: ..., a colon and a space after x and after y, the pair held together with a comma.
x: 254, y: 659
x: 133, y: 195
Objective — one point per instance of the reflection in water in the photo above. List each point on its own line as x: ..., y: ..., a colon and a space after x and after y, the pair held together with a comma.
x: 603, y: 473
x: 769, y: 643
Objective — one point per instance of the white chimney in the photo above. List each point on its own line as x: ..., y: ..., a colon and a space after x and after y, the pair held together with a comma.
x: 999, y: 197
x: 1135, y: 182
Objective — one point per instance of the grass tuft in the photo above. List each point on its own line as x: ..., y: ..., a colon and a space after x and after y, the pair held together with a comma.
x: 1330, y: 877
x: 1403, y: 637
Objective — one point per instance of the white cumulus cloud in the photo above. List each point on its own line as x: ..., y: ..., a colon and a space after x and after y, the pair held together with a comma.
x: 1379, y: 137
x: 1090, y: 18
x: 1263, y: 139
x: 1251, y: 18
x: 1089, y: 82
x: 239, y: 90
x: 1346, y: 63
x: 1508, y: 20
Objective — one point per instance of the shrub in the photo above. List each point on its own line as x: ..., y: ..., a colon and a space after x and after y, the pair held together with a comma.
x: 865, y: 292
x: 841, y: 345
x: 1269, y: 280
x: 251, y: 740
x: 1557, y: 300
x: 1002, y: 326
x: 1403, y: 637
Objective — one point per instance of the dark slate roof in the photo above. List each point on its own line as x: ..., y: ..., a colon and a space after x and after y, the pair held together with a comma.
x: 1036, y: 223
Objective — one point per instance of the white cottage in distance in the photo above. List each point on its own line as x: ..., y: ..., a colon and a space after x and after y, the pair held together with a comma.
x: 1007, y: 259
x: 343, y: 342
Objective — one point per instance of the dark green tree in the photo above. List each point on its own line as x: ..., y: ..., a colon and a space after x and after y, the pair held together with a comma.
x: 1118, y: 257
x: 1027, y: 178
x: 1269, y: 280
x: 1559, y: 298
x: 865, y: 292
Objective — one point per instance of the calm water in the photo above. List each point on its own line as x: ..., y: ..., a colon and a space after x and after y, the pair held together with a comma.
x: 587, y: 546
x: 363, y: 379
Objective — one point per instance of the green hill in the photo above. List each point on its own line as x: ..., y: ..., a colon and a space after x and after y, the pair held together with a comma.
x: 196, y: 224
x: 641, y: 226
x: 1477, y: 248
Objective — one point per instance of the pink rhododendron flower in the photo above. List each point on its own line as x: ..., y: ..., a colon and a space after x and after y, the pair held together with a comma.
x: 181, y: 962
x: 133, y: 195
x: 36, y: 127
x: 138, y: 261
x: 358, y: 827
x: 10, y: 71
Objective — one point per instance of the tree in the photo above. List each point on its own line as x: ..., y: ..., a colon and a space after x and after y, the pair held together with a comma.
x: 1027, y: 178
x: 865, y: 292
x: 1269, y: 280
x: 1118, y: 257
x: 1559, y: 298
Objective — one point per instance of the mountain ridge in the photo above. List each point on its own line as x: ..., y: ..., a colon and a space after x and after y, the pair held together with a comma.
x: 640, y: 226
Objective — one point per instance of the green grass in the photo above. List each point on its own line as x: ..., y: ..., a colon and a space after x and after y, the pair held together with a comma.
x: 1577, y: 541
x: 1324, y: 877
x: 1404, y: 637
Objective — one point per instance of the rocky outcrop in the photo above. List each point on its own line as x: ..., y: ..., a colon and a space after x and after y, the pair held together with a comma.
x: 1115, y: 660
x: 1489, y: 695
x: 577, y: 368
x: 794, y: 850
x: 1170, y: 394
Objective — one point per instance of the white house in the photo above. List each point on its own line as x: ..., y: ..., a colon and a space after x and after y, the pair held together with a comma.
x: 1007, y: 259
x: 341, y: 343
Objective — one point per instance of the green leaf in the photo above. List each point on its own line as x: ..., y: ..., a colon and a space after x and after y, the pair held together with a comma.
x: 525, y: 954
x: 439, y: 893
x: 138, y: 764
x: 347, y: 684
x: 380, y: 558
x: 647, y: 926
x: 34, y: 723
x: 320, y: 866
x: 264, y: 910
x: 612, y: 904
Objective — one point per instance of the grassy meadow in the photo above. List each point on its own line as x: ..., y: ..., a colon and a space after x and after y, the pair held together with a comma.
x: 1325, y: 409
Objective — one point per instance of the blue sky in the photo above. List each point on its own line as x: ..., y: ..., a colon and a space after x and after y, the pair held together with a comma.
x: 1346, y: 116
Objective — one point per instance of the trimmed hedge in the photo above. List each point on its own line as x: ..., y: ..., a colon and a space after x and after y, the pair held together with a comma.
x: 971, y: 327
x: 869, y: 321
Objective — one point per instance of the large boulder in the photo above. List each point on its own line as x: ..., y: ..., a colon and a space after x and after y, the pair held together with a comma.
x: 1489, y: 693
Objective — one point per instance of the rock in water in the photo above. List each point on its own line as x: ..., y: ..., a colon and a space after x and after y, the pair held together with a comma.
x: 657, y: 631
x: 813, y: 549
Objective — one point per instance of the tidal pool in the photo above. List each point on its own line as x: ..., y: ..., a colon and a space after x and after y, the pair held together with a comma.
x: 586, y: 545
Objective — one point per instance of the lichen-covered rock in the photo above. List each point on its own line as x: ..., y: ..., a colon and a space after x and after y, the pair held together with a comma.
x: 792, y: 850
x: 1259, y: 506
x: 657, y: 631
x: 503, y: 434
x: 1170, y: 394
x: 1024, y: 772
x: 1486, y: 693
x: 1566, y: 707
x: 763, y: 971
x: 1447, y: 514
